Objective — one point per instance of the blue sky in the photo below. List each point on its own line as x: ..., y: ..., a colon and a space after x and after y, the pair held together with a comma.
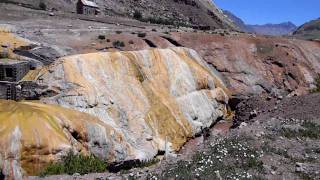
x: 272, y: 11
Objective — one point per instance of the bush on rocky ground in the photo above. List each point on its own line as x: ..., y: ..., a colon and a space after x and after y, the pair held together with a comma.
x: 42, y: 5
x: 4, y: 54
x: 307, y: 130
x: 72, y: 163
x: 118, y: 44
x: 233, y: 158
x: 101, y: 37
x: 317, y: 83
x: 137, y: 15
x: 142, y: 35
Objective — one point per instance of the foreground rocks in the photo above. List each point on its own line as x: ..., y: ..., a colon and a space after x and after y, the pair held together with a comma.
x: 132, y: 103
x: 272, y: 147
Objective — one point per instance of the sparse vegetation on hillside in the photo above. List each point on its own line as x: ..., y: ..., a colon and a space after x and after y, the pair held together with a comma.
x: 233, y: 158
x: 137, y: 15
x: 42, y: 5
x: 118, y: 44
x: 72, y: 163
x: 101, y: 37
x: 307, y: 130
x: 317, y: 83
x: 158, y: 20
x: 4, y: 54
x: 142, y: 35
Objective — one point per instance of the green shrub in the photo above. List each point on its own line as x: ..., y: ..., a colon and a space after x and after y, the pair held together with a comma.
x: 42, y: 5
x: 118, y: 44
x: 72, y: 163
x: 118, y: 32
x: 142, y: 35
x: 317, y: 83
x: 101, y: 37
x: 232, y: 158
x: 4, y: 54
x: 308, y: 130
x: 137, y: 15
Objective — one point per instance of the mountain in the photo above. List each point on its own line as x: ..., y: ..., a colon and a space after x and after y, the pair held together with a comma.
x: 274, y: 29
x: 238, y: 22
x: 195, y: 13
x: 309, y: 30
x: 266, y: 29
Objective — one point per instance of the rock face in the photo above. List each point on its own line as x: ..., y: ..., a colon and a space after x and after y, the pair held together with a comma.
x: 309, y: 30
x: 255, y: 65
x: 135, y: 99
x: 285, y: 28
x: 33, y: 134
x: 178, y: 12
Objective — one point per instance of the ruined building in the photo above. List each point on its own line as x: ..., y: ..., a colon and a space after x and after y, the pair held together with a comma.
x: 11, y: 72
x: 87, y: 7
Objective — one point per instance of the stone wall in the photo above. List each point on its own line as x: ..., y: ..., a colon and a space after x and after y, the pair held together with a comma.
x: 13, y: 72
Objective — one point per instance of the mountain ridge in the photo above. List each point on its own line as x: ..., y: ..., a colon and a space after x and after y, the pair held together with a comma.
x: 274, y: 29
x: 310, y: 30
x: 191, y: 13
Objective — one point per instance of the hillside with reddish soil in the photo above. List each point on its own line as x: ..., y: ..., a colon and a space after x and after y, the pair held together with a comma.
x: 156, y: 101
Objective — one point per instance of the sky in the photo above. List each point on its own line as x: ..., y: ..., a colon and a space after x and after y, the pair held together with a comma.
x: 272, y: 11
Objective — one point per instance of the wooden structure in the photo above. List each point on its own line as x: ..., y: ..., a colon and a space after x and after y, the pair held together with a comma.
x: 87, y: 7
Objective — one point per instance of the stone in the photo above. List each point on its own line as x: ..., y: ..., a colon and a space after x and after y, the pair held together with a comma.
x: 300, y: 168
x: 243, y: 124
x: 155, y: 94
x: 76, y: 175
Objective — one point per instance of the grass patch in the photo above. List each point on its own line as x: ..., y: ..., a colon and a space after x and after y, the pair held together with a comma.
x: 142, y: 35
x: 229, y: 159
x: 42, y: 5
x: 4, y: 54
x: 72, y: 163
x: 264, y: 48
x: 118, y: 44
x: 317, y: 83
x: 101, y: 37
x: 308, y: 130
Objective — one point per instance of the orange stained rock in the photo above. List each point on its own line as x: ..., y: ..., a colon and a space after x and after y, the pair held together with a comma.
x: 12, y: 41
x: 36, y: 132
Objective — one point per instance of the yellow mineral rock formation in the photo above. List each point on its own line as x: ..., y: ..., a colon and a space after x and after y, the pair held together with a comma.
x: 154, y: 93
x: 136, y: 100
x: 33, y: 134
x: 9, y: 41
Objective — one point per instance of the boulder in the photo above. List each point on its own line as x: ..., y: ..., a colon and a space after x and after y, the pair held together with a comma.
x: 119, y: 106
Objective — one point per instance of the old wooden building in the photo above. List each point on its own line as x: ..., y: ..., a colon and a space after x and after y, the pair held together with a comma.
x: 87, y: 7
x: 11, y: 71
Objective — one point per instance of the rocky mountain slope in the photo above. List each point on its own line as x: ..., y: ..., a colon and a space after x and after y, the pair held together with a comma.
x: 196, y: 13
x: 254, y: 65
x: 121, y: 87
x: 238, y: 22
x: 285, y: 28
x: 137, y: 100
x: 309, y: 30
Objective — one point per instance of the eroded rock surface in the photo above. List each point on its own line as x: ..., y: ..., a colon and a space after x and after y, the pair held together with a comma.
x: 132, y: 102
x: 33, y: 134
